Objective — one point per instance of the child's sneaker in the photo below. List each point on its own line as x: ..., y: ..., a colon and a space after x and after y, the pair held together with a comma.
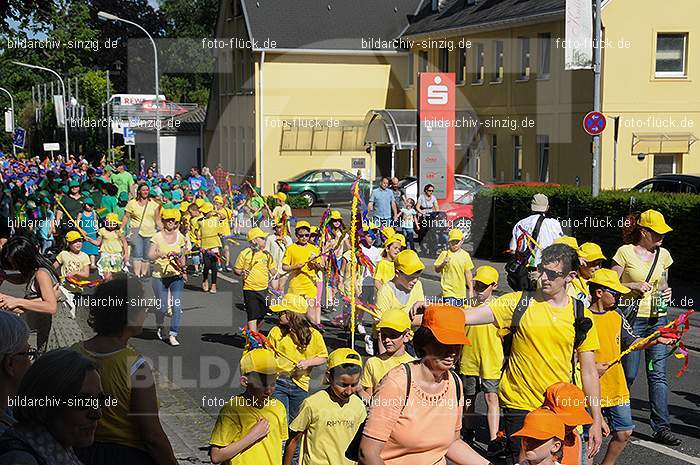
x: 497, y: 447
x: 159, y: 333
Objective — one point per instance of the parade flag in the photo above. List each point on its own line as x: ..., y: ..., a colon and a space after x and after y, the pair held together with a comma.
x: 578, y: 46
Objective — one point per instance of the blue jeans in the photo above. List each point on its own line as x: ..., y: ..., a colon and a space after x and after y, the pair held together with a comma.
x: 161, y: 286
x: 139, y: 247
x: 656, y: 379
x: 380, y: 223
x: 291, y: 397
x: 408, y: 234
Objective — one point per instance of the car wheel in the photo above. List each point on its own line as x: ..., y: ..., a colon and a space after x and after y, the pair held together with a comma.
x: 310, y: 198
x: 464, y: 225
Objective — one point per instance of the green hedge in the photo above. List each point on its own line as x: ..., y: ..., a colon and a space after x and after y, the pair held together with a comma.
x: 598, y: 219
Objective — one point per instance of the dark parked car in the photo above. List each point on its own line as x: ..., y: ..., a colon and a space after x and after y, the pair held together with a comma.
x: 670, y: 183
x: 323, y: 186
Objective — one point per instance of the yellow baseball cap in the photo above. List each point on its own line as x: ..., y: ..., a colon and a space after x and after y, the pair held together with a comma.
x: 608, y: 278
x: 199, y: 202
x: 170, y: 214
x: 206, y: 208
x: 655, y: 221
x: 259, y: 361
x: 486, y: 274
x: 313, y: 230
x: 112, y: 218
x: 388, y: 231
x: 72, y: 236
x: 184, y: 205
x: 455, y: 235
x: 407, y: 262
x: 255, y: 233
x: 302, y: 224
x: 280, y: 196
x: 590, y: 252
x: 395, y: 238
x: 342, y: 356
x: 291, y: 302
x: 218, y: 198
x: 335, y: 215
x: 395, y: 319
x: 567, y: 240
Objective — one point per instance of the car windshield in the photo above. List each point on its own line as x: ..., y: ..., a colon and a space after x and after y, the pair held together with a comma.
x: 468, y: 197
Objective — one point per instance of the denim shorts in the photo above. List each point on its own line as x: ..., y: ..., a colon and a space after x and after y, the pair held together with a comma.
x: 140, y: 246
x: 473, y: 385
x: 619, y: 417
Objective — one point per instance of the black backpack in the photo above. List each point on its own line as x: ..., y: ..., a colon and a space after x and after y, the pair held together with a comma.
x: 516, y: 268
x: 582, y: 325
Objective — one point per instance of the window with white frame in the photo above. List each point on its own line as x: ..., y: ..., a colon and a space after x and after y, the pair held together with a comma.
x: 517, y: 158
x: 461, y: 65
x: 478, y: 77
x: 524, y: 58
x: 545, y: 48
x: 494, y: 155
x: 543, y: 158
x: 497, y: 61
x: 671, y: 54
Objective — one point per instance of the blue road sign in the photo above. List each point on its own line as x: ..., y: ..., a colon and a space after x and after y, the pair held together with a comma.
x: 594, y: 123
x: 18, y: 138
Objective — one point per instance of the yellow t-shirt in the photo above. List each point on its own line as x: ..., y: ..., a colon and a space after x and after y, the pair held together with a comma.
x: 387, y: 300
x: 135, y: 211
x: 452, y: 276
x: 72, y: 263
x: 194, y: 229
x: 384, y: 271
x: 110, y: 241
x: 235, y: 420
x: 279, y: 210
x: 636, y: 270
x: 285, y: 345
x: 301, y: 282
x: 613, y: 385
x: 258, y: 263
x: 484, y: 357
x: 376, y: 367
x: 541, y: 351
x: 117, y: 425
x: 225, y: 215
x: 209, y: 230
x: 162, y: 267
x: 329, y: 428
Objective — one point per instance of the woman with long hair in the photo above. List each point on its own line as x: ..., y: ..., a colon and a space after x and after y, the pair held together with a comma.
x: 43, y: 303
x: 642, y: 265
x: 143, y: 215
x: 130, y: 430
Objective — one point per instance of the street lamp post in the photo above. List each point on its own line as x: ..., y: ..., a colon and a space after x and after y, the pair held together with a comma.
x: 12, y: 109
x: 110, y: 17
x: 63, y: 89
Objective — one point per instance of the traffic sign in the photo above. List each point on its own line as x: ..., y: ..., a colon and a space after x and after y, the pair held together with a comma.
x: 129, y: 137
x: 594, y: 123
x: 51, y: 146
x: 18, y: 139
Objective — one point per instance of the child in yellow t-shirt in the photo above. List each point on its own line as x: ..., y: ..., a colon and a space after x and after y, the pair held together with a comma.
x: 480, y: 365
x: 299, y: 348
x: 614, y: 335
x: 192, y: 230
x: 329, y: 419
x: 209, y: 235
x: 114, y: 250
x: 394, y: 330
x: 255, y: 265
x: 384, y: 271
x: 455, y: 267
x: 225, y: 214
x: 73, y: 262
x: 251, y: 427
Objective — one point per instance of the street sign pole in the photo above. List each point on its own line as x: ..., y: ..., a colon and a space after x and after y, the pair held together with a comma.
x: 597, y: 49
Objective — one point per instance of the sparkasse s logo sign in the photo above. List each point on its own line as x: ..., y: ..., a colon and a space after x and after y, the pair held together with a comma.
x: 438, y: 93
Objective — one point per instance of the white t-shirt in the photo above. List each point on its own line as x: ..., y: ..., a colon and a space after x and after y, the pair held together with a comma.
x: 374, y: 254
x: 549, y: 231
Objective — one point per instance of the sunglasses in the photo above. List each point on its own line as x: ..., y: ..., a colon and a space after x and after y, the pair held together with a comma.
x: 430, y: 190
x: 551, y: 274
x: 389, y: 333
x: 303, y: 235
x: 615, y: 294
x: 32, y: 354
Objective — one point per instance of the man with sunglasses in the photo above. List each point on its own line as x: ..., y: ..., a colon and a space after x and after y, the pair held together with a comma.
x: 543, y: 344
x: 16, y: 356
x: 615, y: 334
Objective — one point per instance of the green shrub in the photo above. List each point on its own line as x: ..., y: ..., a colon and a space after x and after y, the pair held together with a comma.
x: 589, y: 219
x: 297, y: 201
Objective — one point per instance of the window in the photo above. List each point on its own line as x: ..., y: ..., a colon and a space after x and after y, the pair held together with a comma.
x: 671, y: 57
x: 422, y: 61
x: 664, y: 164
x: 517, y: 158
x: 461, y: 65
x: 524, y: 59
x: 478, y: 77
x: 444, y: 63
x: 494, y: 155
x: 543, y: 158
x: 545, y: 43
x: 409, y: 80
x: 497, y: 61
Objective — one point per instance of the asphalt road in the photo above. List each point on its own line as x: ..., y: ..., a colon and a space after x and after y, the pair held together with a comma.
x: 205, y: 368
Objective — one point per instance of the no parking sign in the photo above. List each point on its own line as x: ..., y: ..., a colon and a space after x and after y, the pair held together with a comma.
x: 594, y: 123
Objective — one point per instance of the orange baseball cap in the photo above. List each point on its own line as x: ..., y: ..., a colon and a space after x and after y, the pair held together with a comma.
x: 542, y: 424
x: 447, y: 324
x: 569, y: 402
